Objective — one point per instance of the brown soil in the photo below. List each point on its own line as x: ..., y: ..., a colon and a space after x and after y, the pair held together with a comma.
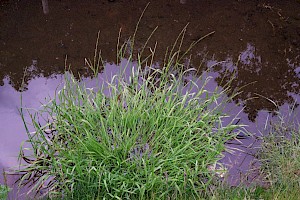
x: 271, y: 29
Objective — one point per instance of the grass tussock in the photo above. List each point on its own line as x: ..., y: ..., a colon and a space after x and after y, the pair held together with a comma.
x: 279, y: 156
x: 153, y: 137
x: 4, y: 192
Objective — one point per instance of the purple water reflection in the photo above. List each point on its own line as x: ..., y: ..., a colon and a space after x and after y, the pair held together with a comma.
x: 12, y: 129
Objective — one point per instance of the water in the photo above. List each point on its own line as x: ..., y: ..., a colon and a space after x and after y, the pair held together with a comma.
x: 259, y: 42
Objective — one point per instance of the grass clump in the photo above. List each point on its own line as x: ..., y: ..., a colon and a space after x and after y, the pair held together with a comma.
x: 4, y: 192
x: 140, y: 136
x: 143, y: 141
x: 280, y: 158
x: 238, y: 192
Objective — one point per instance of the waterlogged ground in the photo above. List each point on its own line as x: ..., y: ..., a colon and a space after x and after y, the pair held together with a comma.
x: 259, y: 40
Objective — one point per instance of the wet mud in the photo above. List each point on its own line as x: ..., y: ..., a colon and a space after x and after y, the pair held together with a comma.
x: 257, y: 42
x: 260, y: 40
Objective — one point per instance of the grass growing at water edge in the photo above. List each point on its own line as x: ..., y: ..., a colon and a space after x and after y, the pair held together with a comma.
x: 4, y: 192
x: 279, y: 155
x: 144, y: 140
x: 4, y: 189
x: 153, y: 136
